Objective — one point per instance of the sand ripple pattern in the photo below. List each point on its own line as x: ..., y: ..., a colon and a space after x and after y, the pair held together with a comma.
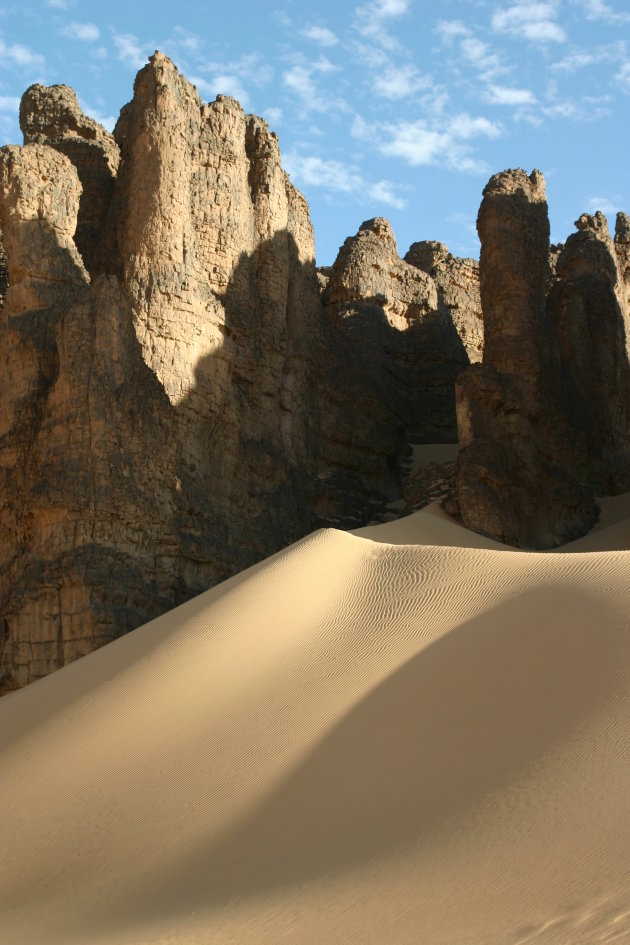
x: 362, y: 739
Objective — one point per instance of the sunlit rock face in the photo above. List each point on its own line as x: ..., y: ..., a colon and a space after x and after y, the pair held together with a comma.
x: 176, y: 402
x: 544, y: 421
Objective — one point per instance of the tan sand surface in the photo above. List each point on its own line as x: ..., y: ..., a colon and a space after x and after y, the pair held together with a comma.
x: 404, y: 736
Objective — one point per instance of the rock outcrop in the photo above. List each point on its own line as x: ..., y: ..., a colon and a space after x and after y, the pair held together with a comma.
x: 457, y: 284
x: 176, y: 402
x: 543, y: 421
x: 404, y: 332
x: 51, y: 115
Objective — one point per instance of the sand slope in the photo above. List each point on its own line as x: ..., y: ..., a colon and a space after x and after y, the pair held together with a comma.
x: 405, y: 735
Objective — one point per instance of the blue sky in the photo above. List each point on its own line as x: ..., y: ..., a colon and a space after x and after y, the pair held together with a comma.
x: 396, y: 108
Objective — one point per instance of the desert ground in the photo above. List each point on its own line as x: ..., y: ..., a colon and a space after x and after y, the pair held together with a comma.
x: 408, y: 734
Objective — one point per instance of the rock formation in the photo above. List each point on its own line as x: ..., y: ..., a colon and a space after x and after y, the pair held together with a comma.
x: 544, y: 420
x: 51, y: 115
x: 401, y: 319
x: 176, y: 402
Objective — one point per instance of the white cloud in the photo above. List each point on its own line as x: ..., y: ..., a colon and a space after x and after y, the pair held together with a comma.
x: 130, y: 52
x: 369, y: 20
x: 60, y: 4
x: 586, y: 109
x: 383, y: 191
x: 308, y: 170
x: 87, y: 32
x: 448, y: 30
x: 320, y: 35
x: 273, y: 115
x: 623, y: 78
x: 607, y: 207
x: 222, y: 84
x: 19, y: 55
x: 313, y: 171
x: 580, y: 58
x: 186, y: 40
x: 479, y: 55
x: 421, y: 143
x: 503, y: 95
x: 598, y: 10
x: 9, y: 103
x: 531, y: 21
x: 300, y: 79
x: 108, y: 121
x: 398, y: 82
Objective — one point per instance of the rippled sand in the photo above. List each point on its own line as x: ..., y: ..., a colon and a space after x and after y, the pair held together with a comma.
x: 409, y: 734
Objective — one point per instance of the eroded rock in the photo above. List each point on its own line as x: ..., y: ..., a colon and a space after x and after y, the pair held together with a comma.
x: 51, y: 115
x: 402, y: 331
x: 543, y: 421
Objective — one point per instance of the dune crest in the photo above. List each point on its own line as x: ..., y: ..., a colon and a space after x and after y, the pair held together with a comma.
x: 356, y: 740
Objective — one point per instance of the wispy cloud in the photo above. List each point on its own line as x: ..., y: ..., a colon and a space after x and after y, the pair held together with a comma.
x: 320, y: 35
x: 421, y: 142
x: 309, y: 170
x: 222, y: 84
x: 60, y: 4
x: 9, y: 103
x: 503, y: 95
x: 273, y: 116
x: 234, y: 77
x: 598, y: 10
x: 108, y: 121
x: 581, y: 58
x: 607, y: 206
x: 397, y: 82
x: 535, y: 22
x: 479, y: 55
x: 449, y: 30
x: 86, y: 32
x: 585, y: 109
x: 370, y: 19
x: 312, y: 171
x: 188, y: 41
x: 130, y: 51
x: 301, y: 79
x: 383, y: 191
x: 21, y: 56
x: 623, y: 78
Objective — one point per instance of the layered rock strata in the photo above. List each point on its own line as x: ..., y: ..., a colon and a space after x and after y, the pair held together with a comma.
x: 176, y: 402
x: 543, y: 421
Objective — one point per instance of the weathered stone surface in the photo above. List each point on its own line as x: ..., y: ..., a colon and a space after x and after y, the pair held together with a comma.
x: 51, y: 115
x: 457, y: 283
x: 189, y: 410
x: 588, y: 308
x: 622, y: 249
x: 405, y: 338
x: 543, y: 421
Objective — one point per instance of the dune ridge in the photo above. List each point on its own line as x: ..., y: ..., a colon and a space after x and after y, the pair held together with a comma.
x: 406, y: 734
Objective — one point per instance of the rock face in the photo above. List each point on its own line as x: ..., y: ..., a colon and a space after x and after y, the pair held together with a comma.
x: 543, y: 421
x: 403, y: 330
x: 51, y: 115
x: 176, y: 402
x: 457, y: 284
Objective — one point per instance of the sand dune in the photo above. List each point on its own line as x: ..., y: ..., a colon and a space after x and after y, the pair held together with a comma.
x: 409, y: 734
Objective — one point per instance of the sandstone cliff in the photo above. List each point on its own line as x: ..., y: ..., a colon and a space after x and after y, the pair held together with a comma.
x: 176, y: 401
x: 414, y: 327
x: 544, y: 422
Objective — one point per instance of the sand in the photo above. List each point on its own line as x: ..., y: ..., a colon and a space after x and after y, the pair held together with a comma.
x: 407, y: 735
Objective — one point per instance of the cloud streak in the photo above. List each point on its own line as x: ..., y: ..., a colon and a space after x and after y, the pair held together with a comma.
x: 420, y: 143
x: 338, y: 178
x: 534, y: 22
